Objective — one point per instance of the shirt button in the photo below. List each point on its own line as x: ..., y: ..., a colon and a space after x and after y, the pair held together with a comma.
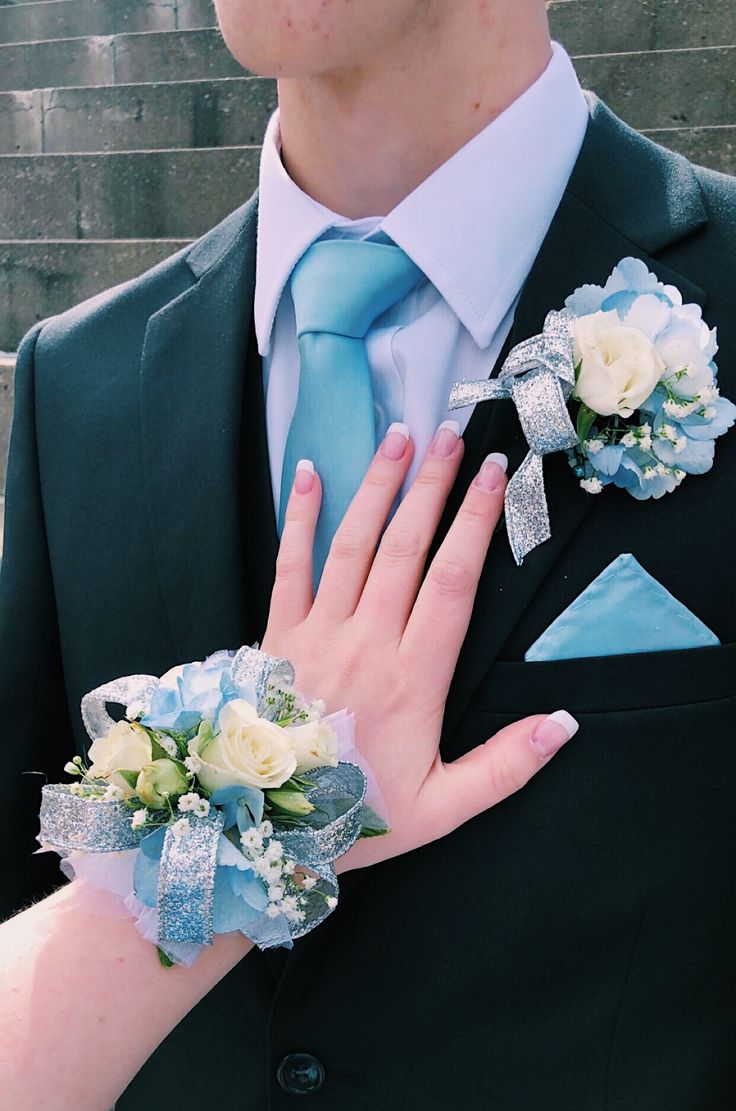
x: 300, y: 1073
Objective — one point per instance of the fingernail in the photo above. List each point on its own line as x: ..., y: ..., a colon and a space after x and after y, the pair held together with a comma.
x: 395, y: 441
x: 553, y: 733
x: 492, y: 471
x: 304, y: 476
x: 445, y: 439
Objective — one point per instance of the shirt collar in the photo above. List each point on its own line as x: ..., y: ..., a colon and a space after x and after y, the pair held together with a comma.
x: 474, y: 226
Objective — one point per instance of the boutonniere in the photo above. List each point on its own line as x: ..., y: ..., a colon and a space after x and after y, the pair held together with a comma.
x: 624, y: 380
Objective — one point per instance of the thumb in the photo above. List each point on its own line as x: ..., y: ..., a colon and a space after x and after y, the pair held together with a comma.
x: 491, y: 772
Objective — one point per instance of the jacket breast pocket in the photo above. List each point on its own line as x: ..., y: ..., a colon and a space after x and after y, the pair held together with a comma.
x: 607, y: 684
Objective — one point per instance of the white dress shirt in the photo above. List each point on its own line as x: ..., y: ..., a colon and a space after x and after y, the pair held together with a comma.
x: 474, y: 227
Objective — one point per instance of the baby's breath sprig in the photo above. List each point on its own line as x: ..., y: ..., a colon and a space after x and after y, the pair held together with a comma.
x: 285, y: 707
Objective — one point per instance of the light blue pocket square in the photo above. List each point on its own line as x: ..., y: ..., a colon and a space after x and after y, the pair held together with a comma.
x: 623, y: 610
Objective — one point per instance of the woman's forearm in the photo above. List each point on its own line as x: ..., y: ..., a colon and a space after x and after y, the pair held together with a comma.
x: 86, y: 1002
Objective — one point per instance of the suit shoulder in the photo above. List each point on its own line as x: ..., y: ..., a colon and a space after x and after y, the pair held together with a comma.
x: 719, y: 196
x: 118, y: 312
x: 116, y: 318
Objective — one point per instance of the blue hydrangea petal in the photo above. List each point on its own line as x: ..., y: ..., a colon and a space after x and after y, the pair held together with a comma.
x: 650, y: 313
x: 145, y: 870
x: 697, y: 458
x: 631, y: 273
x: 230, y: 912
x: 621, y: 302
x: 586, y: 300
x: 608, y: 460
x: 241, y: 806
x: 229, y: 855
x: 250, y: 887
x: 698, y: 428
x: 655, y: 486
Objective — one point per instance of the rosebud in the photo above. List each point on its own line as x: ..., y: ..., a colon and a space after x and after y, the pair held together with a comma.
x: 292, y: 802
x: 160, y: 780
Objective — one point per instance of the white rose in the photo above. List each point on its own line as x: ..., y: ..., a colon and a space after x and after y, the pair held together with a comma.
x: 315, y: 744
x: 247, y: 751
x: 126, y: 747
x: 620, y: 365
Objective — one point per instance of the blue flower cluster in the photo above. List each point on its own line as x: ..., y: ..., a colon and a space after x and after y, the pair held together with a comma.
x: 672, y: 433
x: 192, y: 692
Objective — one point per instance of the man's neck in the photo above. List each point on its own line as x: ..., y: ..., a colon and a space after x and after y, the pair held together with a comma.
x: 359, y: 141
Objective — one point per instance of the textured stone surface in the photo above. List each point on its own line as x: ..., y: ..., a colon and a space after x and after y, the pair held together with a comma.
x: 174, y: 56
x: 191, y: 114
x: 39, y: 65
x: 195, y: 13
x: 39, y: 279
x: 77, y: 18
x: 116, y: 60
x: 21, y: 128
x: 678, y: 88
x: 35, y: 20
x: 152, y: 194
x: 610, y: 26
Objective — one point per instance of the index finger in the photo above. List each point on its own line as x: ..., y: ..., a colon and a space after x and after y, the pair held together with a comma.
x: 439, y: 620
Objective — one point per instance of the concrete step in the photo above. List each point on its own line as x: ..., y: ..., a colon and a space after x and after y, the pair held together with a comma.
x: 231, y: 111
x: 166, y: 194
x: 116, y: 59
x: 602, y: 27
x: 65, y: 19
x: 39, y: 279
x: 666, y: 88
x: 714, y: 147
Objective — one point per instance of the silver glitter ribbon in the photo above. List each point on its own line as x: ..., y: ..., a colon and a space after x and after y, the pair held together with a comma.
x: 188, y: 864
x: 252, y: 665
x: 72, y: 822
x: 538, y: 376
x: 131, y: 688
x: 186, y: 881
x: 316, y: 849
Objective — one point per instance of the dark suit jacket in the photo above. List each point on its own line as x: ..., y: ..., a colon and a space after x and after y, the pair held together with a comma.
x: 574, y: 948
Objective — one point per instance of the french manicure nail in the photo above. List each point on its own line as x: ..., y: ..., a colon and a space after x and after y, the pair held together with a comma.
x: 553, y: 733
x: 395, y: 441
x: 445, y: 439
x: 304, y: 476
x: 491, y: 472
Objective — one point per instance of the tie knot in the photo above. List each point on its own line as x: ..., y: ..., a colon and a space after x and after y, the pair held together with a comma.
x: 342, y: 285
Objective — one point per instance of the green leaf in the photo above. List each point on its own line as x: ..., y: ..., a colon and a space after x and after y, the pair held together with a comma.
x: 585, y: 421
x: 157, y: 750
x: 372, y: 824
x: 204, y: 735
x: 163, y: 959
x: 130, y: 777
x: 298, y: 783
x: 577, y: 369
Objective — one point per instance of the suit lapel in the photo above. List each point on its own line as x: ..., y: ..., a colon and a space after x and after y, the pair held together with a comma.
x: 599, y: 222
x: 191, y: 383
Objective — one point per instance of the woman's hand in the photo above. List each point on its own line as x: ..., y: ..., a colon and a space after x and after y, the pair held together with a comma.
x: 384, y: 643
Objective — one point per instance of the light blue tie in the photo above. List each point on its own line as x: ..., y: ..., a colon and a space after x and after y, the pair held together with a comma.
x: 339, y: 287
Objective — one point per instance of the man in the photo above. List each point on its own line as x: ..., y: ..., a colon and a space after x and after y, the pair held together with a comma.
x: 572, y: 948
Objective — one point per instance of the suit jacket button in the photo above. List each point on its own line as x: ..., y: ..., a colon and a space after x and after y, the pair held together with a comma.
x: 300, y: 1073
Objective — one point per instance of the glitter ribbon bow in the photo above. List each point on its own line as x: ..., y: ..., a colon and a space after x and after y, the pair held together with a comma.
x: 538, y: 375
x: 71, y: 822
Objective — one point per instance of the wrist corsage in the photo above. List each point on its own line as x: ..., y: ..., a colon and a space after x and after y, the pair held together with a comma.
x: 218, y: 803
